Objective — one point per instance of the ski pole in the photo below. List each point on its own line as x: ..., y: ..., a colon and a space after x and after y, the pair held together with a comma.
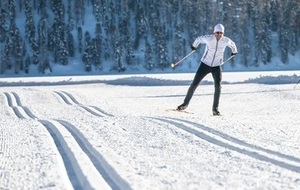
x: 297, y: 84
x: 174, y: 64
x: 228, y: 59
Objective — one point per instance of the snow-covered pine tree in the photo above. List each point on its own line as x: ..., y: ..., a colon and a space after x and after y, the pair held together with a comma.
x: 6, y: 61
x: 265, y: 34
x: 63, y: 52
x: 27, y: 64
x: 244, y: 49
x: 97, y: 9
x: 42, y: 41
x: 80, y: 36
x: 87, y: 53
x: 2, y: 66
x: 29, y: 26
x: 119, y: 58
x: 274, y: 15
x: 12, y: 10
x: 284, y: 29
x: 262, y: 32
x: 97, y: 48
x: 294, y: 26
x: 148, y: 56
x: 141, y: 25
x: 42, y: 9
x: 79, y: 11
x: 127, y: 38
x: 96, y: 53
x: 86, y: 59
x: 87, y: 38
x: 71, y: 44
x: 175, y: 31
x: 162, y: 50
x: 35, y: 51
x: 17, y: 50
x: 2, y: 25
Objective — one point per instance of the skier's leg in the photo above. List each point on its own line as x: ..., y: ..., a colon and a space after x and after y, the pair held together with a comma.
x: 202, y: 71
x: 217, y: 76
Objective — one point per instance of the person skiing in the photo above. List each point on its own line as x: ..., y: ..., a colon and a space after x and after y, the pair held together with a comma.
x: 211, y: 62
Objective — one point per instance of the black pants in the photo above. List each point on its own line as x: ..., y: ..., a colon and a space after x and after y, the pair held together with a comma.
x: 202, y: 71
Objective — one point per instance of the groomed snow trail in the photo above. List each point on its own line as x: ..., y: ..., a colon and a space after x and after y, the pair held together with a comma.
x: 116, y: 135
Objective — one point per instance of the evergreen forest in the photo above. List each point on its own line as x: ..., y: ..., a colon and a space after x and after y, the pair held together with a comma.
x: 140, y: 33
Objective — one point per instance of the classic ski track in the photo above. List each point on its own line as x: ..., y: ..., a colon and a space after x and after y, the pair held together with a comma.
x: 71, y: 143
x: 226, y: 141
x: 70, y: 100
x: 107, y: 172
x: 22, y: 112
x: 74, y: 158
x: 68, y: 159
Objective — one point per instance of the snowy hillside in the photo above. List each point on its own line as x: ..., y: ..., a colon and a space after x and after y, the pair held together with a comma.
x: 117, y: 132
x: 106, y: 36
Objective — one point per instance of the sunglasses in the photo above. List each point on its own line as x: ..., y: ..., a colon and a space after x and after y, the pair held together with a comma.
x: 219, y: 32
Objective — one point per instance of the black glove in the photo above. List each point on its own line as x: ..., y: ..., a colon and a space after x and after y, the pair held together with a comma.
x: 233, y: 54
x: 193, y: 48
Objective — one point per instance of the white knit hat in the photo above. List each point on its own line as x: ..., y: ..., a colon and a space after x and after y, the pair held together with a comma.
x: 219, y: 28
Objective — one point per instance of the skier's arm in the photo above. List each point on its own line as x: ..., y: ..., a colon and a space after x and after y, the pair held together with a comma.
x: 198, y: 40
x: 233, y: 47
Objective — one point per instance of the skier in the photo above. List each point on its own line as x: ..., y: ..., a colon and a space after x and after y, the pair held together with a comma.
x: 211, y: 62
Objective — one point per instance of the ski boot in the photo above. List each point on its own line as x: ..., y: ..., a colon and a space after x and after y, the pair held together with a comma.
x: 182, y: 107
x: 216, y: 111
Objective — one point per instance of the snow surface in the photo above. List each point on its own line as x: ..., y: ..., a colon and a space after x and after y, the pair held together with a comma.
x: 115, y: 132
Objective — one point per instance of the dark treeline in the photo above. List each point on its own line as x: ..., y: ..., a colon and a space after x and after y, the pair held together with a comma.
x: 130, y: 33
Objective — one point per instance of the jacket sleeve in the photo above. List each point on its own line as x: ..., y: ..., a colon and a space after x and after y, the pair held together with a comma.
x: 232, y: 46
x: 199, y: 40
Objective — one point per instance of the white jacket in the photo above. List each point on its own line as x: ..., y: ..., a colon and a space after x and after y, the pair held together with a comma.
x: 214, y: 50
